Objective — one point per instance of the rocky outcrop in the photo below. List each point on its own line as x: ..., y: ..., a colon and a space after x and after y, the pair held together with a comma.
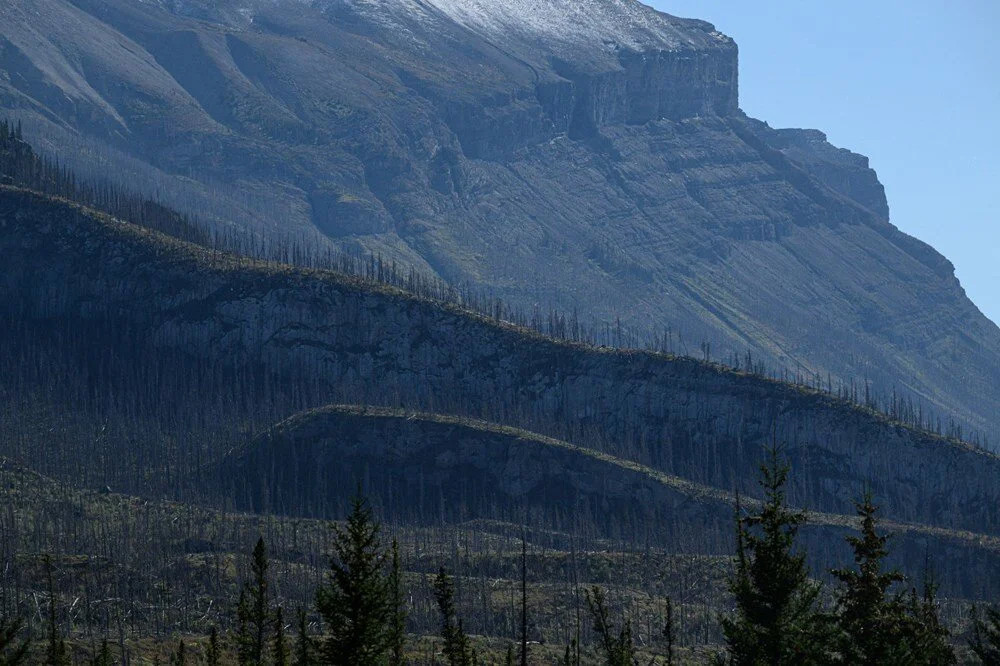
x: 839, y: 169
x: 649, y: 86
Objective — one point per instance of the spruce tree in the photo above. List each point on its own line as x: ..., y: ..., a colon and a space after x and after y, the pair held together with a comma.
x: 213, y: 655
x: 457, y: 649
x: 669, y: 631
x: 56, y: 653
x: 259, y: 610
x: 279, y: 652
x: 303, y: 643
x: 985, y: 641
x: 12, y: 651
x: 618, y: 647
x: 103, y: 656
x: 872, y: 624
x: 927, y: 636
x: 356, y: 600
x: 397, y: 637
x: 776, y: 622
x: 179, y: 658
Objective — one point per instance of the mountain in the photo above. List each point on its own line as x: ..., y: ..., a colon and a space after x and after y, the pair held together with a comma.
x: 586, y: 156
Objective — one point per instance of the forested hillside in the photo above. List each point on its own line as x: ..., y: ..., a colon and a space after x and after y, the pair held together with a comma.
x: 312, y: 337
x: 584, y: 156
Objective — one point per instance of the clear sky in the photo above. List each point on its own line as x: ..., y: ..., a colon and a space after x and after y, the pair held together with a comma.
x: 912, y: 84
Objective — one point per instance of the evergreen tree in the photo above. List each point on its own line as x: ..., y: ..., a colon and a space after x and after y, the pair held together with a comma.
x: 928, y: 637
x: 56, y: 653
x: 303, y: 644
x: 214, y: 654
x: 872, y: 625
x: 12, y: 652
x: 397, y: 629
x: 356, y: 600
x: 103, y: 657
x: 524, y: 599
x: 618, y: 648
x: 776, y: 620
x: 457, y: 649
x: 875, y: 626
x: 280, y: 647
x: 259, y: 619
x: 985, y: 641
x: 179, y: 658
x: 669, y: 632
x: 244, y: 639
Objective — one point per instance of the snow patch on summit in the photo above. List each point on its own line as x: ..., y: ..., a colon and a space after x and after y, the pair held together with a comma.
x: 607, y: 25
x: 612, y: 23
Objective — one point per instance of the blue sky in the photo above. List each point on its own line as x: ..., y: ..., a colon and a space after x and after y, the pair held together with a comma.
x: 914, y: 85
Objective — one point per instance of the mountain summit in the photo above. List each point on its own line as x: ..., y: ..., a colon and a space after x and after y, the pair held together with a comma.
x: 578, y: 155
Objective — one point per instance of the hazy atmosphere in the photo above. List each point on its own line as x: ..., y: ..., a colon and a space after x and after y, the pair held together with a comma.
x: 912, y: 84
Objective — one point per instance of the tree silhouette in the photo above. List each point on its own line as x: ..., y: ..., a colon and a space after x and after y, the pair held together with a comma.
x: 397, y: 629
x: 279, y: 647
x: 12, y: 652
x: 303, y: 642
x: 356, y: 600
x: 871, y: 623
x: 776, y: 620
x: 985, y: 641
x: 457, y: 648
x: 213, y: 655
x: 618, y: 647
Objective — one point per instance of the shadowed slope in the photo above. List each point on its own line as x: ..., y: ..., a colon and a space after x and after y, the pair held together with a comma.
x: 429, y: 469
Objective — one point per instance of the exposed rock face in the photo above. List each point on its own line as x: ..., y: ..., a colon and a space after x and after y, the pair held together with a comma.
x: 586, y: 155
x: 377, y: 345
x: 841, y: 170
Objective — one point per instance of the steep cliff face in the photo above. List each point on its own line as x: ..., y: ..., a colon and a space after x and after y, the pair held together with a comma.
x: 841, y: 170
x: 380, y: 346
x: 582, y: 155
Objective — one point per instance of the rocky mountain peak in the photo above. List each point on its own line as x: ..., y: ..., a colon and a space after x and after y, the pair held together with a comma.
x: 583, y: 155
